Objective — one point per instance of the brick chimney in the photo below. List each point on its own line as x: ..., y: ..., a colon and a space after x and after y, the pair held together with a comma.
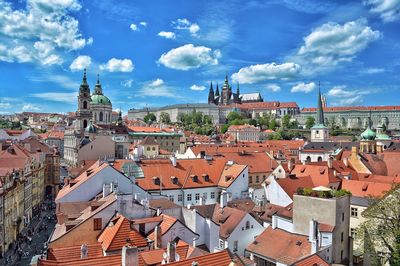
x: 157, y: 237
x: 171, y: 252
x: 130, y: 256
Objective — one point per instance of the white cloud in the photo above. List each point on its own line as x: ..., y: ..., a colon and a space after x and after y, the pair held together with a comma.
x: 30, y: 107
x: 60, y: 80
x: 134, y: 27
x: 185, y: 24
x: 262, y: 72
x: 273, y: 87
x: 118, y: 65
x: 65, y: 97
x: 40, y: 31
x: 189, y: 57
x: 157, y: 88
x: 372, y: 70
x: 343, y: 96
x: 81, y: 62
x: 167, y: 34
x: 389, y: 10
x: 332, y: 43
x: 349, y: 101
x: 304, y: 87
x: 127, y: 83
x: 195, y: 87
x: 4, y: 105
x: 143, y: 23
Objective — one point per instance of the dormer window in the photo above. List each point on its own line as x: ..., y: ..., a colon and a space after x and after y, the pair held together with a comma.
x: 206, y: 177
x: 156, y: 180
x: 174, y: 180
x: 194, y: 178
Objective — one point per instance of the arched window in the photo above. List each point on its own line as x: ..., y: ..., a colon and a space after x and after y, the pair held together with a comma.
x: 308, y: 159
x: 101, y: 116
x: 319, y: 159
x: 84, y: 104
x: 85, y: 123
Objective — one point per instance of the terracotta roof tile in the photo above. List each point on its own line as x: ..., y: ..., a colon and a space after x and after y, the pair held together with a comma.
x: 313, y: 260
x: 166, y: 223
x: 213, y: 259
x: 228, y: 219
x: 230, y: 173
x: 73, y: 252
x: 366, y: 189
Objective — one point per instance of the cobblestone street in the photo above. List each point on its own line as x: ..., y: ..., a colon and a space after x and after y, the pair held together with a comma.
x: 43, y: 225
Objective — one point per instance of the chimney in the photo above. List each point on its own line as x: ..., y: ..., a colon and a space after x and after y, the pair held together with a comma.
x: 201, y: 200
x: 171, y: 252
x: 354, y: 153
x: 130, y: 256
x: 346, y: 162
x: 330, y: 162
x: 313, y: 236
x: 223, y: 199
x: 157, y: 238
x: 290, y: 165
x: 274, y: 221
x: 106, y: 190
x: 158, y: 211
x: 173, y: 160
x: 84, y: 251
x: 194, y: 242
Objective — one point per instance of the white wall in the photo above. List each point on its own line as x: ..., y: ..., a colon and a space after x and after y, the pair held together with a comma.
x: 284, y: 224
x: 239, y: 185
x: 246, y: 236
x: 175, y: 192
x: 178, y: 230
x: 276, y: 195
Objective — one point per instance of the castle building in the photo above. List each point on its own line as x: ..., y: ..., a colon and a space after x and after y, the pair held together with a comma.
x: 227, y: 96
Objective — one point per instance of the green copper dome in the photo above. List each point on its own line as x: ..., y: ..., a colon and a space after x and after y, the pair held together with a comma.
x: 90, y: 128
x: 100, y: 99
x: 368, y: 134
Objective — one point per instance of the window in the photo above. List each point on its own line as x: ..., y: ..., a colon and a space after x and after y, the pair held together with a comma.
x: 342, y: 216
x: 171, y: 198
x: 97, y: 224
x: 212, y: 195
x: 247, y: 225
x: 341, y: 237
x: 180, y: 197
x: 235, y: 246
x: 189, y: 197
x: 250, y: 179
x: 257, y: 179
x: 148, y: 148
x: 205, y: 195
x: 101, y: 116
x: 221, y: 244
x: 354, y: 212
x: 353, y: 233
x: 341, y: 255
x: 154, y: 148
x: 197, y: 196
x: 84, y: 104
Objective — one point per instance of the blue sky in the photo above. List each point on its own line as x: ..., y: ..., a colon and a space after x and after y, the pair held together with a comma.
x: 165, y: 52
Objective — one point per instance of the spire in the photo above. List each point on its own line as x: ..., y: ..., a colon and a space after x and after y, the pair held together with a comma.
x: 84, y: 88
x: 320, y: 111
x: 84, y: 80
x: 98, y: 90
x: 211, y: 96
x: 120, y: 121
x: 237, y: 90
x: 217, y: 91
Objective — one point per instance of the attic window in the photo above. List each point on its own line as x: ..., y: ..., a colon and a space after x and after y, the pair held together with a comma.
x: 321, y: 170
x: 194, y: 178
x: 174, y: 179
x: 228, y: 177
x: 365, y: 187
x: 303, y: 169
x: 156, y: 180
x: 298, y: 243
x: 206, y: 177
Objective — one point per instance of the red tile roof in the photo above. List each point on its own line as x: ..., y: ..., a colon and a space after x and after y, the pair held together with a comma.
x: 144, y: 129
x: 112, y: 260
x: 228, y: 219
x: 366, y: 189
x: 213, y: 259
x: 280, y: 246
x: 115, y: 235
x: 353, y: 108
x: 320, y: 175
x: 73, y: 252
x: 313, y: 260
x: 290, y: 185
x: 166, y: 223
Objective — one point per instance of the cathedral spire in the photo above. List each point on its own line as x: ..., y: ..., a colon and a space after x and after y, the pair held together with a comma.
x: 217, y: 91
x: 237, y: 89
x: 84, y: 80
x: 98, y: 90
x: 211, y: 96
x: 320, y: 111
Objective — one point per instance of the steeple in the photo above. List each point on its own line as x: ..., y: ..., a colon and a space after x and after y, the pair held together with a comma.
x: 84, y: 87
x: 84, y: 80
x: 320, y: 111
x: 237, y: 90
x: 217, y: 91
x: 120, y: 121
x: 211, y: 96
x: 98, y: 90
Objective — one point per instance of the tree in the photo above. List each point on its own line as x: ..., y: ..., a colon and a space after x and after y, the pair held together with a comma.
x: 381, y: 230
x: 272, y: 124
x: 207, y: 119
x: 224, y: 128
x: 233, y: 116
x: 285, y: 121
x: 164, y: 118
x: 150, y: 118
x: 332, y: 123
x: 310, y: 122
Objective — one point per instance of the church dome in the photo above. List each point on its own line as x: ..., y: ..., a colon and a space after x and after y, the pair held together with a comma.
x: 368, y: 134
x: 100, y: 99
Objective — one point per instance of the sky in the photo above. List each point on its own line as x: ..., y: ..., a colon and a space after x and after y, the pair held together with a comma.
x: 155, y: 53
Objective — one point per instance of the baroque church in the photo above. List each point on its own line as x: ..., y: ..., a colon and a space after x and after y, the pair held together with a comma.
x: 93, y: 125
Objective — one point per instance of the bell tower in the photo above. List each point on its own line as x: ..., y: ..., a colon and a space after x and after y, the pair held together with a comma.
x: 83, y: 114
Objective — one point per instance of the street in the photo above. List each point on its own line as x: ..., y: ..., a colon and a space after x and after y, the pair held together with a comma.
x: 27, y: 247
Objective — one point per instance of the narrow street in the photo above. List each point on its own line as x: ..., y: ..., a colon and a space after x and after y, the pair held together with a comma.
x: 43, y: 226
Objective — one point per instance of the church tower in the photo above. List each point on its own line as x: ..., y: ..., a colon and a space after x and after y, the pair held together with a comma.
x: 226, y: 92
x: 319, y: 132
x: 83, y: 114
x: 211, y: 97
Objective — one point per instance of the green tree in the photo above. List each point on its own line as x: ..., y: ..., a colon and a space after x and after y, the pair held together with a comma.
x: 310, y: 122
x: 285, y: 121
x: 207, y: 119
x: 272, y: 124
x: 150, y: 118
x: 164, y: 118
x: 233, y: 116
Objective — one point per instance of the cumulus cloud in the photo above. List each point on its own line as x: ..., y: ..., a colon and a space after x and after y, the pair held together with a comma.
x: 189, y: 57
x: 134, y: 27
x: 388, y: 10
x: 127, y: 83
x: 372, y: 70
x: 195, y: 87
x: 262, y: 72
x: 344, y: 96
x: 332, y: 43
x: 273, y: 87
x: 30, y: 107
x: 304, y: 87
x: 118, y: 65
x: 143, y: 23
x: 80, y: 63
x: 185, y: 24
x: 41, y: 30
x: 4, y: 105
x: 157, y: 88
x: 167, y: 34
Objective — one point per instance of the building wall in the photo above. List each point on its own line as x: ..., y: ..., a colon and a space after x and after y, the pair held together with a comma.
x: 240, y: 185
x: 276, y: 195
x: 173, y: 195
x: 100, y: 147
x: 314, y: 156
x: 178, y: 230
